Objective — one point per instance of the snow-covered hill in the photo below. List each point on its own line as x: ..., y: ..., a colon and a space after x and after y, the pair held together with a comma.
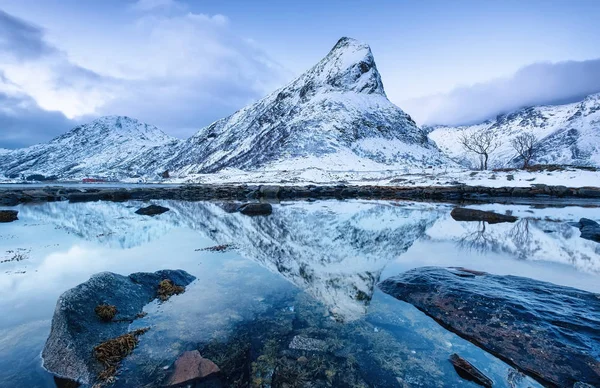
x: 334, y: 116
x: 568, y: 134
x: 107, y: 147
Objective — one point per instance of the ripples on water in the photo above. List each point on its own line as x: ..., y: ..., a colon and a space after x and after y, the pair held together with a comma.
x: 309, y: 269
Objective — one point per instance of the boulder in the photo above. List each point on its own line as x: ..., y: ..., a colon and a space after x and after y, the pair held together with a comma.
x: 547, y: 331
x: 152, y: 210
x: 267, y: 191
x: 191, y: 367
x: 8, y: 215
x: 77, y: 329
x: 467, y: 371
x: 256, y: 209
x: 590, y: 230
x: 464, y: 214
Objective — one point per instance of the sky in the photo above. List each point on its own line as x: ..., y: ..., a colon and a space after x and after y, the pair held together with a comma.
x: 182, y: 64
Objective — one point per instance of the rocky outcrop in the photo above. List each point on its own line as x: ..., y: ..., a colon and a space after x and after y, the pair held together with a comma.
x: 547, y: 331
x: 463, y: 214
x: 77, y: 329
x: 152, y: 210
x: 8, y: 215
x: 590, y: 230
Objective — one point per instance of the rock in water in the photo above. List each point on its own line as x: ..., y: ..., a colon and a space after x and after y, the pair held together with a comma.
x: 76, y: 329
x: 463, y: 214
x: 152, y: 210
x: 590, y: 230
x: 467, y: 371
x: 191, y: 367
x: 256, y: 209
x: 548, y: 331
x: 8, y: 215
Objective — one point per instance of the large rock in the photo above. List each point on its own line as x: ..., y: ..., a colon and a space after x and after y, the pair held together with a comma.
x: 256, y: 209
x: 152, y: 210
x: 590, y: 230
x: 8, y: 215
x: 548, y: 331
x: 76, y: 329
x: 463, y: 214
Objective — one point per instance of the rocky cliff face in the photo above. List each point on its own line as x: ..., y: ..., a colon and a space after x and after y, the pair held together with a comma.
x: 568, y: 134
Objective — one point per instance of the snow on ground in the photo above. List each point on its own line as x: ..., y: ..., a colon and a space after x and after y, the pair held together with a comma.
x: 434, y: 176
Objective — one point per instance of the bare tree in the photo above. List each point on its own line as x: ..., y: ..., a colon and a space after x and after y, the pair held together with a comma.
x: 526, y: 145
x: 482, y: 143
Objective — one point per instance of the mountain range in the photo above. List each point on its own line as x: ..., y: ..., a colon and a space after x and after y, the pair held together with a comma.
x: 336, y: 116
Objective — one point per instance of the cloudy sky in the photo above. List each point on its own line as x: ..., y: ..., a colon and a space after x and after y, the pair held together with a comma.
x: 181, y: 64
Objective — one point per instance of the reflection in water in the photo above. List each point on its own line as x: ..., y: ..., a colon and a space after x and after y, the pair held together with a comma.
x: 316, y: 261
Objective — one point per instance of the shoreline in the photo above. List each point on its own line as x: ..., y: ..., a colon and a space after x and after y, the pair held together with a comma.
x: 536, y: 194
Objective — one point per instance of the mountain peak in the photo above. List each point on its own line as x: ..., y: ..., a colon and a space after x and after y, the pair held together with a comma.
x: 349, y: 66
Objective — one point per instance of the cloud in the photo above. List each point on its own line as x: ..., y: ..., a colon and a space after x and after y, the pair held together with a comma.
x: 150, y: 5
x: 177, y: 70
x: 536, y: 84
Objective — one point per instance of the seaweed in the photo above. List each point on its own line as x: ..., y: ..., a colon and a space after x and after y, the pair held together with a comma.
x: 166, y: 289
x: 110, y: 353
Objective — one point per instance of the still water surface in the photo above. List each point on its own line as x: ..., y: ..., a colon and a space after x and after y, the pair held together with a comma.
x: 308, y: 270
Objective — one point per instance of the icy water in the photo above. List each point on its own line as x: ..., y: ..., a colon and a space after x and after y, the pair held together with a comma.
x: 307, y: 272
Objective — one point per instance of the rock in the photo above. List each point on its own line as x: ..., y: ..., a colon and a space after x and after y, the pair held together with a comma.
x: 8, y: 215
x: 590, y: 230
x: 190, y: 367
x: 547, y: 331
x: 464, y: 214
x: 165, y: 174
x: 301, y: 342
x: 510, y: 177
x: 269, y: 191
x: 76, y: 329
x: 256, y: 209
x: 467, y: 371
x: 152, y: 210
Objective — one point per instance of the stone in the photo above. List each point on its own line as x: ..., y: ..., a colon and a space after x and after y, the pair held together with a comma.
x: 76, y: 329
x: 191, y: 367
x: 590, y: 230
x: 510, y: 177
x: 256, y: 209
x: 547, y: 331
x: 268, y: 191
x: 464, y: 214
x: 467, y: 371
x: 8, y: 215
x: 301, y: 342
x: 152, y: 210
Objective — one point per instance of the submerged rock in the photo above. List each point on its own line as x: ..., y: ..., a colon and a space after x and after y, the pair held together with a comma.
x: 8, y: 215
x: 77, y: 329
x: 191, y: 367
x: 467, y: 371
x: 256, y: 209
x: 152, y: 210
x: 463, y: 214
x: 590, y: 230
x: 548, y: 331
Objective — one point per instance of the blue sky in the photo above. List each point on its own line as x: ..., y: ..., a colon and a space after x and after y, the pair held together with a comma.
x: 183, y: 64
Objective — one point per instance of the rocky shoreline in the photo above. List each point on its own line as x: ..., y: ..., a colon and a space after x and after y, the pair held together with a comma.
x: 14, y: 196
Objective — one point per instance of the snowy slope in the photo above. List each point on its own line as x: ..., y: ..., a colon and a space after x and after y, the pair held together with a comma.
x: 337, y: 112
x: 106, y: 147
x: 569, y: 134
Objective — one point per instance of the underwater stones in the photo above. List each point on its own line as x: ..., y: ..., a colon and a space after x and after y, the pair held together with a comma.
x: 256, y: 209
x: 301, y: 342
x: 152, y: 210
x: 76, y: 329
x: 191, y: 367
x: 547, y: 331
x: 467, y: 371
x: 590, y: 230
x: 8, y: 215
x: 463, y: 214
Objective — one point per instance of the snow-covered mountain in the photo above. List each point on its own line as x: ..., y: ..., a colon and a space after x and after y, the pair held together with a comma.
x: 108, y: 147
x: 568, y: 134
x: 335, y: 115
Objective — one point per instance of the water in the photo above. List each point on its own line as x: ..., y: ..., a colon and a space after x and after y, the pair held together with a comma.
x: 309, y: 270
